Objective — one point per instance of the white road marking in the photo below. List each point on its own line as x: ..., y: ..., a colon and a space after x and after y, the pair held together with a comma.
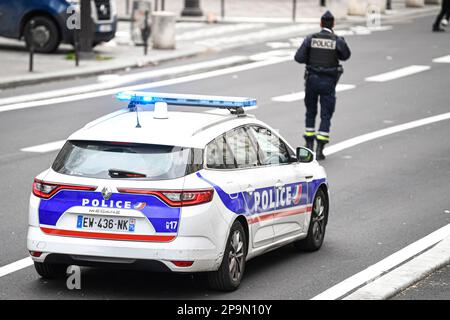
x: 301, y: 95
x: 15, y: 266
x: 384, y: 132
x: 374, y: 271
x: 403, y: 72
x: 46, y: 147
x: 215, y: 31
x: 252, y: 37
x: 445, y: 59
x: 278, y: 53
x: 102, y: 93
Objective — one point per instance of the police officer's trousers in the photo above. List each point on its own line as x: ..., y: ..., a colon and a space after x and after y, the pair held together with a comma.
x: 321, y: 87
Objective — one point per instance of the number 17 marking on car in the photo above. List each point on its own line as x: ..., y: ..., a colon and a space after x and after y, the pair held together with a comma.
x: 171, y: 225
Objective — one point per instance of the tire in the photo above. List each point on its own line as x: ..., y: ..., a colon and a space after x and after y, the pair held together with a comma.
x: 50, y: 270
x: 47, y: 37
x: 317, y: 225
x: 228, y: 278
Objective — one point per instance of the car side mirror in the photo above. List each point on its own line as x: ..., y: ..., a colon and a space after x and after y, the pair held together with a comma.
x: 304, y: 155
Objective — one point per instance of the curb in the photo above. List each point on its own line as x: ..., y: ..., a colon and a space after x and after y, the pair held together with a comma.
x: 411, y: 272
x: 96, y: 70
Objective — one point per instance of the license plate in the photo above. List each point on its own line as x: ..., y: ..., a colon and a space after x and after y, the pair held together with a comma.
x: 106, y: 223
x: 105, y: 28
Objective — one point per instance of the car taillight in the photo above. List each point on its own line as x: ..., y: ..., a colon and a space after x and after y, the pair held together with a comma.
x: 176, y: 198
x: 46, y: 190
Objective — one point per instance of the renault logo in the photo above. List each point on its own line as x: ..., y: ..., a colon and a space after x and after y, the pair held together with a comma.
x: 103, y: 9
x: 106, y: 193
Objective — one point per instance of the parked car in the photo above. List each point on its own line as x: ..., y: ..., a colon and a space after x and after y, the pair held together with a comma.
x: 50, y: 21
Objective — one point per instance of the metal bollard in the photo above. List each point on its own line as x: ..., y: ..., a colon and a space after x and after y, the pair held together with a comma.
x: 389, y: 4
x: 76, y: 46
x: 192, y: 8
x: 222, y: 9
x: 31, y: 48
x: 294, y: 10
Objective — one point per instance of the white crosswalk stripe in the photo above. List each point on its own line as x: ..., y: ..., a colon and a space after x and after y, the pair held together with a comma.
x: 219, y: 30
x: 296, y: 96
x: 256, y: 36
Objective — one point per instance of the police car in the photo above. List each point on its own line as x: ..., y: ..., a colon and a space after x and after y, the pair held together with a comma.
x: 180, y: 183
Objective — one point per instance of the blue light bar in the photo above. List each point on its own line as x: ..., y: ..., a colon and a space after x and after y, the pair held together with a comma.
x: 144, y: 98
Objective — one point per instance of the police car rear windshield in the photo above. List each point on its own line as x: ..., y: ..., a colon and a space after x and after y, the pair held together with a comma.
x: 115, y: 160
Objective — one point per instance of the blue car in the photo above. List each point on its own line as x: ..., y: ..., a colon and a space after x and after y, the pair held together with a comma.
x: 51, y: 21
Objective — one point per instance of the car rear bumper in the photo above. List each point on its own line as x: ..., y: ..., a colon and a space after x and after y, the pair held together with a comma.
x: 157, y: 256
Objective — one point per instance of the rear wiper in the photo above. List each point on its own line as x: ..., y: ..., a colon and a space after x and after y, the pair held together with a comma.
x: 117, y: 173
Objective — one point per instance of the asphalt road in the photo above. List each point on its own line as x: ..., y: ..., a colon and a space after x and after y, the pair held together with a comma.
x: 386, y: 193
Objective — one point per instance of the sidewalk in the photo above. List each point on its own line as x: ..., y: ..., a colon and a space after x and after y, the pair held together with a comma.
x: 247, y: 22
x: 434, y: 287
x: 254, y: 10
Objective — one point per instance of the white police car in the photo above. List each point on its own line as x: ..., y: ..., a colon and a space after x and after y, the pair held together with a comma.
x: 184, y: 190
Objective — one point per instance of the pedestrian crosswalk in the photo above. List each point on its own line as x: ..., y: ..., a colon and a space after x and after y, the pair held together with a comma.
x: 221, y: 36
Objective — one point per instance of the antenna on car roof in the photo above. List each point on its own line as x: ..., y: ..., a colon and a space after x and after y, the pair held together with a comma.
x: 133, y: 107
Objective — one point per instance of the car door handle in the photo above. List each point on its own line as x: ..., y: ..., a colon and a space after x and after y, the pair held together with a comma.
x: 250, y: 189
x: 279, y: 185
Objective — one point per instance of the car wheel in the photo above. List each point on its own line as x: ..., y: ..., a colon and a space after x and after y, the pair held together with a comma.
x: 317, y: 225
x: 229, y: 275
x: 50, y: 270
x: 46, y: 34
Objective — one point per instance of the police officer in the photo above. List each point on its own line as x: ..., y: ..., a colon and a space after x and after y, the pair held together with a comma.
x: 321, y: 53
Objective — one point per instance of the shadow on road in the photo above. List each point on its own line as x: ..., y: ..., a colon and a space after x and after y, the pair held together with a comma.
x: 125, y: 284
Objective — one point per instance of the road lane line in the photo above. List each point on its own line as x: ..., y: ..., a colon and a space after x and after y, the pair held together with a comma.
x: 445, y: 59
x: 297, y: 96
x: 400, y: 73
x: 384, y: 132
x: 149, y: 85
x: 354, y: 282
x: 15, y: 266
x: 46, y: 147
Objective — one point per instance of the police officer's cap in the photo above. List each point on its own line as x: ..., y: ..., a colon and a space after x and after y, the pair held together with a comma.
x: 328, y: 17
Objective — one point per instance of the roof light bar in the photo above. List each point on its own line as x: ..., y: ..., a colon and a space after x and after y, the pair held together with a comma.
x: 150, y: 98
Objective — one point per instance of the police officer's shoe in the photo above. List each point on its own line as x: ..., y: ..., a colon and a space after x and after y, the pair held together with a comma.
x: 319, y: 151
x: 438, y: 29
x: 310, y: 144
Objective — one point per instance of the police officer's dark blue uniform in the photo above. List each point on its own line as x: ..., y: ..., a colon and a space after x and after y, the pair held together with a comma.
x: 321, y: 53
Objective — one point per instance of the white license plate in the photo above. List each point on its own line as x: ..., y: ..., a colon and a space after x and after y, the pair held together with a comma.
x: 105, y: 28
x: 115, y: 224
